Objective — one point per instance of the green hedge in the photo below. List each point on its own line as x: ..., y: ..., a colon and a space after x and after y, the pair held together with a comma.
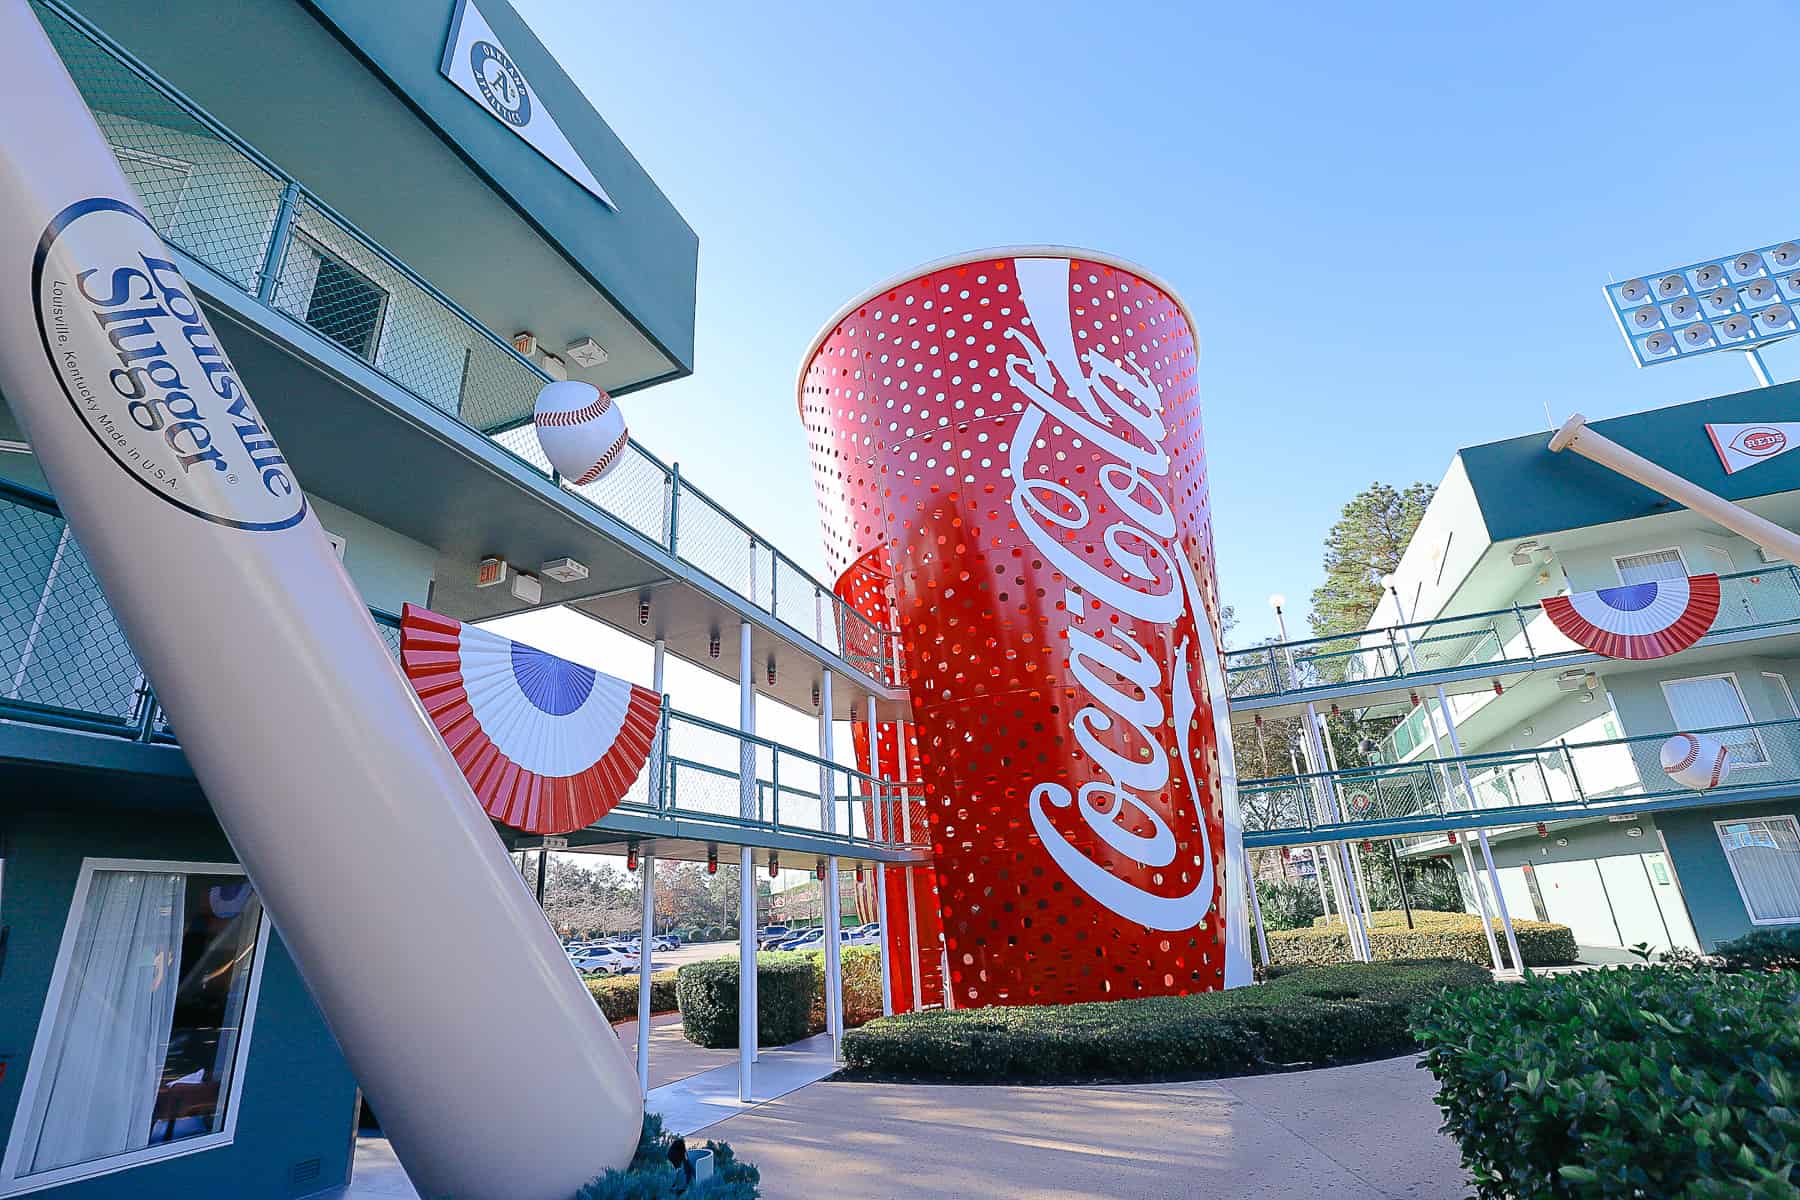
x: 1763, y: 950
x: 1305, y: 1016
x: 1435, y: 935
x: 650, y: 1177
x: 708, y: 995
x: 862, y: 986
x: 617, y: 995
x: 1647, y: 1082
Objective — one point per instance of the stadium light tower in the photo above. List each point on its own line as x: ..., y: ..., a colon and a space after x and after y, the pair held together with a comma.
x: 1742, y: 302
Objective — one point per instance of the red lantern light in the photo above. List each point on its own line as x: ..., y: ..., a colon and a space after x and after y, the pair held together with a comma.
x: 1498, y: 690
x: 712, y: 860
x: 821, y: 871
x: 1453, y: 837
x: 1415, y: 699
x: 774, y: 864
x: 859, y: 872
x: 631, y: 857
x: 1543, y: 830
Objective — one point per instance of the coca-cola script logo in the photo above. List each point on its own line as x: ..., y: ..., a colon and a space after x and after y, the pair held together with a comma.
x: 1760, y: 442
x: 1115, y: 409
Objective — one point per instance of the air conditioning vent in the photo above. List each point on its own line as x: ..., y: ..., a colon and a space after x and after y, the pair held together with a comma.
x: 1765, y: 556
x: 305, y: 1171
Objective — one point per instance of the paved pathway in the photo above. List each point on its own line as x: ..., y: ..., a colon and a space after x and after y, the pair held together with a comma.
x: 1366, y: 1132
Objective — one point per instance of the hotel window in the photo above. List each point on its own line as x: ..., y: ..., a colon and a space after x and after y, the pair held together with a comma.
x: 140, y: 1051
x: 1714, y: 702
x: 1764, y: 854
x: 344, y: 304
x: 1651, y: 566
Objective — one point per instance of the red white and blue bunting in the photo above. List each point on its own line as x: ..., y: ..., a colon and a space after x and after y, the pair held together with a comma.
x: 1639, y: 620
x: 549, y: 746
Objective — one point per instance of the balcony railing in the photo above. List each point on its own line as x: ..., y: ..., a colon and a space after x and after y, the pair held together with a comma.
x: 213, y: 197
x: 1565, y: 778
x: 1506, y: 639
x: 65, y: 662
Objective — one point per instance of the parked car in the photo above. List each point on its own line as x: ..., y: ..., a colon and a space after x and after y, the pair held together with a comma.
x: 769, y: 935
x: 604, y: 960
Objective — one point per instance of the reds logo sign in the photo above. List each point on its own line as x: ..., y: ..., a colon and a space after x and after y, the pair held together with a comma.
x: 1760, y: 442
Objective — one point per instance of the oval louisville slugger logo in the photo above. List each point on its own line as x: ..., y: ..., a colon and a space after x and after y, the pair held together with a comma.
x: 142, y: 369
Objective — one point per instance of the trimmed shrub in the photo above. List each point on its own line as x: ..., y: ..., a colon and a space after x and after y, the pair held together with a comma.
x: 1301, y: 1017
x: 617, y: 995
x: 862, y: 986
x: 1762, y: 950
x: 708, y: 995
x: 650, y: 1177
x: 1287, y: 904
x: 1435, y: 935
x: 1641, y: 1082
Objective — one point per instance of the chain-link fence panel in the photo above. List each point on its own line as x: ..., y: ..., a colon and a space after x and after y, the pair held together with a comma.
x: 201, y: 193
x: 636, y: 491
x: 59, y: 644
x: 711, y: 540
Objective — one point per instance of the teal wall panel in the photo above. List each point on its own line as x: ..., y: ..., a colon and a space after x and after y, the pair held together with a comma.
x: 1713, y: 899
x: 299, y: 1097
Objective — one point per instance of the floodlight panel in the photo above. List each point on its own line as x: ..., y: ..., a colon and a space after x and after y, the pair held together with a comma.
x: 1736, y: 302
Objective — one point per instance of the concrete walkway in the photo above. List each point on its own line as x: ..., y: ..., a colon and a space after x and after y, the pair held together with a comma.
x: 1366, y: 1132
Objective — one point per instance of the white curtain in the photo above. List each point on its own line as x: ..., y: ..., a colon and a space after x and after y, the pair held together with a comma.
x: 111, y: 1038
x: 1765, y: 855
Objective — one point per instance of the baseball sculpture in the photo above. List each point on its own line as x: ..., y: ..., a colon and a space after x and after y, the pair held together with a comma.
x: 1695, y: 761
x: 581, y: 430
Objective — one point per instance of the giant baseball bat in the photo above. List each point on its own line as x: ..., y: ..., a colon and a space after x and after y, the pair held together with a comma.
x: 1576, y: 435
x: 431, y: 962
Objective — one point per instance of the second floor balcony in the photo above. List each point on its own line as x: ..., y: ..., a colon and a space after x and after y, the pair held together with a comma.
x: 1512, y: 787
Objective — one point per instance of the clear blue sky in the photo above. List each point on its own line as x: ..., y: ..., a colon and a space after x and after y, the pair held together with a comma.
x: 1390, y: 221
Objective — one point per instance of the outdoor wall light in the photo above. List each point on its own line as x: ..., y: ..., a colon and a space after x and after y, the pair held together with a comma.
x: 712, y: 860
x: 1277, y: 601
x: 631, y: 856
x: 771, y: 673
x: 1521, y: 553
x: 815, y: 695
x: 712, y: 645
x: 774, y: 864
x: 643, y: 612
x: 821, y: 869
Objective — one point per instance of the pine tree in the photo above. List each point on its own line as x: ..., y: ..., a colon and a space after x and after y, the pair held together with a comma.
x: 1365, y: 544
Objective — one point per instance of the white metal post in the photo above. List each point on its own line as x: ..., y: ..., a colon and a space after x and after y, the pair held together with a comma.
x: 1487, y: 922
x: 647, y: 860
x: 834, y: 962
x: 1512, y: 941
x: 1355, y: 888
x: 1314, y: 751
x: 912, y: 907
x: 747, y: 809
x: 878, y: 794
x: 1262, y: 939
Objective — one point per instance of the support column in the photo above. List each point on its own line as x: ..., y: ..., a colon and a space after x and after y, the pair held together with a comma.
x: 1354, y: 887
x: 912, y: 907
x: 1487, y: 924
x: 1262, y: 939
x: 646, y: 936
x: 747, y: 809
x: 834, y: 961
x: 1512, y: 942
x: 1342, y: 885
x: 878, y: 794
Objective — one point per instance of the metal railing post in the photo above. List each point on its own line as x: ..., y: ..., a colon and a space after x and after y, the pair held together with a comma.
x: 1519, y: 616
x: 662, y: 757
x: 270, y: 273
x: 674, y: 504
x: 1574, y: 779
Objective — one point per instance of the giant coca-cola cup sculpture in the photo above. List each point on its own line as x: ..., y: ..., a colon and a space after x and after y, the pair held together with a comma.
x: 1010, y: 472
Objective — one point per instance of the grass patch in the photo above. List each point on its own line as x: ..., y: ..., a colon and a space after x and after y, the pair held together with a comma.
x: 1301, y: 1017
